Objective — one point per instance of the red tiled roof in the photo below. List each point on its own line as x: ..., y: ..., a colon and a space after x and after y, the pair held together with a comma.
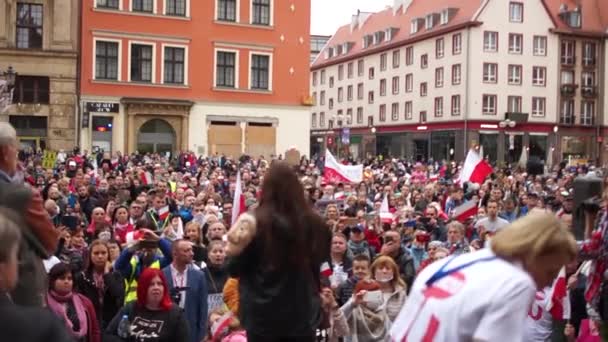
x: 385, y: 19
x: 594, y: 14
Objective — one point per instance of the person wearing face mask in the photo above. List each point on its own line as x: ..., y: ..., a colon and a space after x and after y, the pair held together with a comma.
x: 386, y: 273
x: 492, y: 289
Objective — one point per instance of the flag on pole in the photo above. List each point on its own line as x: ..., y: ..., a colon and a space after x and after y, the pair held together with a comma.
x: 385, y: 215
x: 559, y: 302
x: 475, y: 169
x: 464, y: 211
x: 334, y: 172
x: 481, y: 152
x: 238, y: 202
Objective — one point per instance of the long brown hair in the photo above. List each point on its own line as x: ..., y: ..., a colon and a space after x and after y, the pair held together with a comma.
x: 291, y: 234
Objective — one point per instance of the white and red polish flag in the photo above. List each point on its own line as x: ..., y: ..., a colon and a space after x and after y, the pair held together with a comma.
x: 559, y: 303
x: 163, y: 213
x: 238, y: 202
x: 475, y: 169
x: 462, y: 212
x: 146, y: 178
x: 326, y: 270
x: 385, y: 215
x: 334, y: 172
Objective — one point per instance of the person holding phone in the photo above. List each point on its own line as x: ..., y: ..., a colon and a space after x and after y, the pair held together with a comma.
x: 402, y: 257
x: 141, y: 255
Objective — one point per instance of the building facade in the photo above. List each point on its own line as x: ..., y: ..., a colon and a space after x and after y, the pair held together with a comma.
x: 427, y: 80
x: 219, y: 76
x: 317, y: 43
x: 39, y: 39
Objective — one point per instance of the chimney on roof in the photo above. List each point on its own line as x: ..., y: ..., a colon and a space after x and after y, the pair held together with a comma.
x: 401, y: 4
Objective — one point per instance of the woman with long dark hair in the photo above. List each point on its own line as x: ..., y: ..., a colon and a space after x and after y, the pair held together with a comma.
x: 279, y: 270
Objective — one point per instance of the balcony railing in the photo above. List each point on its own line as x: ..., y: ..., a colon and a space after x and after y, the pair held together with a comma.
x: 567, y: 119
x: 589, y: 91
x: 587, y: 120
x: 568, y: 89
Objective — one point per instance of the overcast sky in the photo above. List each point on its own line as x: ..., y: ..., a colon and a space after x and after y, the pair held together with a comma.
x: 328, y: 15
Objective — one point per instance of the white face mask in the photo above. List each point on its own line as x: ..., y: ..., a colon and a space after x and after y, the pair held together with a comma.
x: 384, y: 278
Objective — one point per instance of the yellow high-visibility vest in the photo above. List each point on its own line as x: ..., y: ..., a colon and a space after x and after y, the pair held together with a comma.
x: 131, y: 287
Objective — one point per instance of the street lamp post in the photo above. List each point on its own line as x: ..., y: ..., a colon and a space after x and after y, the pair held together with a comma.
x: 511, y: 124
x: 556, y: 156
x: 7, y: 84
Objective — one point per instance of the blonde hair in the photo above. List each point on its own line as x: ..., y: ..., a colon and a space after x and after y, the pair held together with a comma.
x: 388, y: 261
x: 532, y: 236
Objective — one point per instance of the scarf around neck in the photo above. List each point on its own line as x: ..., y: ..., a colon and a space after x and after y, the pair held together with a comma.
x: 58, y: 304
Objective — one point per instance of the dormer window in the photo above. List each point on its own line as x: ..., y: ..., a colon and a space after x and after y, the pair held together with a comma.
x: 445, y: 17
x: 430, y: 21
x: 329, y: 53
x: 339, y: 50
x: 367, y: 41
x: 378, y: 37
x: 571, y: 18
x: 345, y: 48
x: 417, y: 24
x: 390, y: 33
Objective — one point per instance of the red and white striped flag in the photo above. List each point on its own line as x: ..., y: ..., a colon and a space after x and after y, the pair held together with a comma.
x: 559, y: 304
x: 326, y: 271
x: 385, y: 215
x: 462, y: 212
x: 146, y: 178
x: 238, y: 203
x: 475, y: 169
x: 163, y: 213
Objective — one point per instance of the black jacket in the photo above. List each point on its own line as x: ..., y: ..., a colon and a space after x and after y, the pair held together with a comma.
x: 216, y: 278
x: 29, y: 324
x: 113, y: 294
x: 405, y: 262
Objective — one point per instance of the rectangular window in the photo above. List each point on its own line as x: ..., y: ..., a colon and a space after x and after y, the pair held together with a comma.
x: 226, y: 10
x: 29, y: 26
x: 260, y: 72
x: 31, y: 90
x: 314, y: 98
x: 106, y: 60
x: 490, y: 73
x: 383, y: 87
x: 423, y: 116
x: 456, y: 74
x: 340, y: 94
x: 438, y: 107
x: 261, y: 12
x: 370, y: 97
x: 322, y: 100
x: 359, y: 115
x: 349, y: 93
x: 456, y: 44
x: 108, y: 4
x: 395, y: 85
x: 568, y: 49
x: 349, y: 116
x: 383, y: 58
x: 340, y: 72
x: 515, y: 74
x: 490, y: 41
x: 323, y: 76
x: 439, y: 48
x: 516, y: 12
x: 330, y: 124
x: 589, y: 54
x: 314, y: 78
x: 174, y: 65
x: 514, y: 104
x: 396, y: 58
x: 587, y: 112
x: 143, y: 5
x: 176, y: 7
x: 588, y: 79
x: 424, y: 61
x: 141, y: 63
x: 395, y: 111
x: 516, y: 43
x: 226, y: 70
x: 539, y: 105
x: 489, y: 105
x: 408, y: 110
x: 423, y: 89
x: 540, y: 46
x: 567, y: 77
x: 409, y: 83
x: 330, y: 103
x: 382, y: 115
x: 322, y: 119
x: 360, y: 68
x: 439, y: 77
x: 331, y: 81
x: 360, y: 91
x: 371, y: 73
x: 349, y: 70
x: 409, y: 55
x: 567, y: 112
x: 539, y: 76
x: 313, y: 123
x: 455, y: 105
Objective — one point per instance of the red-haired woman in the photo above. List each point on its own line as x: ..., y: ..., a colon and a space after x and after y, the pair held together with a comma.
x: 153, y: 317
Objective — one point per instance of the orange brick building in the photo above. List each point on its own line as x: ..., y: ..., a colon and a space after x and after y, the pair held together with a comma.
x: 213, y: 76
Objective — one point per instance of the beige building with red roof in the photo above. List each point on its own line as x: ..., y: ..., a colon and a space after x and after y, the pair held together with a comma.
x: 426, y: 79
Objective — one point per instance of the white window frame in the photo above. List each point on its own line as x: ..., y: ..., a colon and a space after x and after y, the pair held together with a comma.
x: 395, y: 111
x: 414, y: 26
x: 109, y: 40
x: 187, y: 9
x: 439, y: 48
x: 492, y: 77
x: 154, y: 61
x: 539, y: 45
x: 409, y: 85
x: 457, y: 51
x: 162, y: 66
x: 359, y: 115
x: 382, y: 113
x: 439, y: 81
x: 539, y: 106
x: 120, y: 5
x: 236, y: 66
x: 237, y: 17
x: 491, y: 109
x: 539, y: 81
x: 445, y: 17
x: 515, y: 19
x: 586, y: 76
x: 457, y: 80
x: 270, y: 24
x: 517, y: 102
x: 492, y: 44
x: 408, y: 109
x: 455, y: 109
x: 154, y: 7
x: 568, y: 58
x: 322, y: 119
x: 270, y: 65
x: 514, y: 47
x: 395, y: 85
x: 587, y: 117
x: 429, y: 22
x: 313, y: 119
x: 514, y: 78
x: 438, y: 106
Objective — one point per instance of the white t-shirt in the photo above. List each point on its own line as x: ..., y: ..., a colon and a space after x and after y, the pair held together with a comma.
x: 539, y: 321
x: 492, y: 226
x: 487, y: 300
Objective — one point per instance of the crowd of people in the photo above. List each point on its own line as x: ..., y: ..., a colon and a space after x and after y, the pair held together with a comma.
x: 134, y: 246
